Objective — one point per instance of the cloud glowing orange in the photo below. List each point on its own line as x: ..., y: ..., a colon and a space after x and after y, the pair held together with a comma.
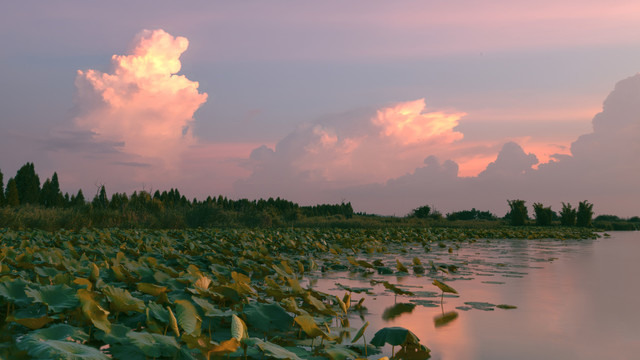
x: 142, y: 101
x: 408, y: 124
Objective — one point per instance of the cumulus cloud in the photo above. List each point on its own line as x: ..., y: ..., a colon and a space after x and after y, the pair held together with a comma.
x: 142, y: 102
x: 371, y: 161
x: 354, y: 148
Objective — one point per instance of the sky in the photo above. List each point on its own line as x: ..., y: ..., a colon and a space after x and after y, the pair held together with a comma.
x: 387, y: 105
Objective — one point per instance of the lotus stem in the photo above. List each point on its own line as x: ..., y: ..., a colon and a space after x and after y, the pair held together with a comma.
x: 364, y: 340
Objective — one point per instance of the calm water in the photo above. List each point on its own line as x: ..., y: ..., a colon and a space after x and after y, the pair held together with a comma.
x: 575, y: 299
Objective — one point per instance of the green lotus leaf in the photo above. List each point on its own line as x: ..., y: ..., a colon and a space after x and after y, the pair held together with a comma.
x: 33, y: 322
x: 154, y: 345
x: 118, y: 335
x: 14, y: 291
x: 158, y: 312
x: 360, y: 332
x: 46, y: 271
x: 54, y: 332
x: 394, y: 336
x: 60, y: 349
x: 209, y: 309
x: 121, y: 300
x: 275, y: 351
x: 56, y: 297
x: 267, y: 317
x: 188, y: 317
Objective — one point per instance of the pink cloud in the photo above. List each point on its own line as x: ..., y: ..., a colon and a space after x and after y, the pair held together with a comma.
x: 142, y: 102
x: 357, y: 149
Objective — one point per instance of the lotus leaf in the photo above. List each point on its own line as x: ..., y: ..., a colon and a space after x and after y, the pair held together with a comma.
x: 340, y: 353
x: 188, y: 317
x: 121, y: 300
x: 56, y: 297
x: 54, y: 332
x: 14, y: 291
x: 267, y: 317
x: 93, y: 311
x: 309, y: 326
x: 238, y: 328
x: 151, y: 289
x: 60, y: 349
x: 225, y: 347
x: 154, y: 345
x: 360, y: 332
x: 394, y: 336
x: 444, y: 287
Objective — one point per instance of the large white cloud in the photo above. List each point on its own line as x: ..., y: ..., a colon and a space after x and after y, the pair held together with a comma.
x: 142, y: 102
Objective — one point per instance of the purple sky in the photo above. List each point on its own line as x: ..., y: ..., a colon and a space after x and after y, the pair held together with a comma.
x: 389, y: 105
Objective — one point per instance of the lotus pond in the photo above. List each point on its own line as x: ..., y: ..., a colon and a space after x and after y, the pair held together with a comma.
x: 318, y: 294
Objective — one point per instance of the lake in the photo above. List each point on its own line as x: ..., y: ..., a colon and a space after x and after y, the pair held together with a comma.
x: 576, y: 299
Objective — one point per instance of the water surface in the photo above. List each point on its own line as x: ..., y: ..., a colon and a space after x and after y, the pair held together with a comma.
x: 576, y: 299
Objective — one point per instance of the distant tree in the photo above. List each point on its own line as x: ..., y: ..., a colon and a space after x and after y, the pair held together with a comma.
x: 518, y: 214
x: 544, y: 215
x: 584, y: 215
x: 472, y: 214
x: 422, y: 212
x: 567, y: 215
x: 12, y: 197
x: 100, y: 201
x: 1, y: 189
x: 118, y: 201
x: 78, y: 199
x: 607, y: 218
x: 50, y: 195
x: 28, y: 184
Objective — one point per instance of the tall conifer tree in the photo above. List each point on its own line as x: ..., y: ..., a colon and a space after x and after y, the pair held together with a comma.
x: 1, y: 189
x: 12, y: 197
x: 28, y: 184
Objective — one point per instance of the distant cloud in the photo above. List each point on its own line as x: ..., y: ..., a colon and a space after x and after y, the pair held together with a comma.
x: 351, y: 149
x: 80, y: 141
x: 141, y: 102
x: 330, y: 161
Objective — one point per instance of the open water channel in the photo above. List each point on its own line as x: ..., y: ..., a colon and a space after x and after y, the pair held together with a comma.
x: 575, y: 299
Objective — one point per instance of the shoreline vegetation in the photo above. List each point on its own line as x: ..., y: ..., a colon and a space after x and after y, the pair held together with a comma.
x: 25, y: 204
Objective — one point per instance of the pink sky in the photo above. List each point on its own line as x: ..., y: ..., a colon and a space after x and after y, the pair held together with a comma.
x: 326, y: 102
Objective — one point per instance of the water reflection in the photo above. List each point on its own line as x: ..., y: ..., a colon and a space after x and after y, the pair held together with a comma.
x: 575, y: 299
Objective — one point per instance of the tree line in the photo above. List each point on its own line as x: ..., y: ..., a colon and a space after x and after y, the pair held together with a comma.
x: 544, y: 216
x: 171, y: 206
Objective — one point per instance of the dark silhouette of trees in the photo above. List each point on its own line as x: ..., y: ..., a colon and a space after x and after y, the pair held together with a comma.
x: 50, y: 195
x: 584, y: 215
x: 544, y: 215
x: 518, y: 214
x: 472, y: 214
x: 100, y: 201
x: 567, y: 215
x: 28, y: 184
x: 422, y: 212
x: 12, y: 197
x: 77, y: 200
x: 2, y: 201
